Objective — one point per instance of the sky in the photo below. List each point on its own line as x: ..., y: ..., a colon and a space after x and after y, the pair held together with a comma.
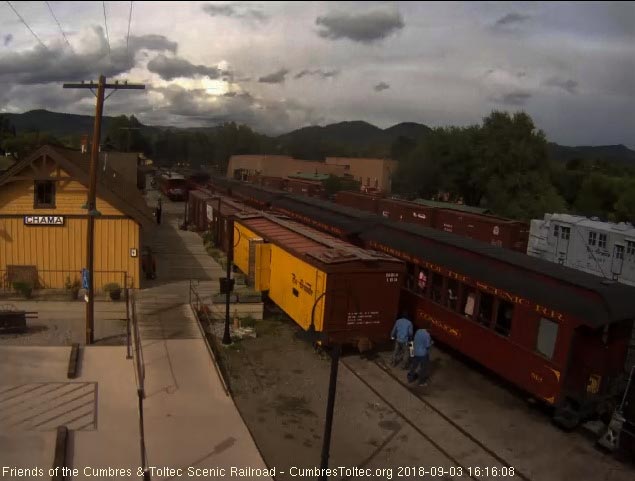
x: 277, y: 66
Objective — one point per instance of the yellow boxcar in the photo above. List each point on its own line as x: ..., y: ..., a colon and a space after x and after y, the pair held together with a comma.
x: 349, y: 294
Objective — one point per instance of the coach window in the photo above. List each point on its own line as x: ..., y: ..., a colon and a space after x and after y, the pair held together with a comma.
x: 547, y: 336
x: 592, y: 238
x: 566, y: 231
x: 452, y: 294
x: 437, y: 287
x: 422, y: 281
x: 485, y: 309
x: 469, y: 302
x: 556, y: 230
x: 504, y: 315
x: 630, y: 248
x: 602, y: 241
x: 44, y: 197
x: 411, y: 276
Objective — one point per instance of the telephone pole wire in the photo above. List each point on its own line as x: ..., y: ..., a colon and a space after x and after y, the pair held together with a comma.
x: 91, y: 203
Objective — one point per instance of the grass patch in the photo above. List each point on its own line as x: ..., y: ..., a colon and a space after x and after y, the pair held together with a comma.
x: 247, y: 321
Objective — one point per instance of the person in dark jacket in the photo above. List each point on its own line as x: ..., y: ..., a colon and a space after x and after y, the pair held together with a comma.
x: 421, y: 356
x: 148, y: 264
x: 401, y: 334
x: 158, y: 211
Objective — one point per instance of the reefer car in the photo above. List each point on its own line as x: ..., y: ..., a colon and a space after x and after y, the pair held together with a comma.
x: 197, y: 208
x: 348, y: 294
x: 555, y: 332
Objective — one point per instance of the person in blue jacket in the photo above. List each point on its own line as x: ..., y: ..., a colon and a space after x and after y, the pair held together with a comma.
x: 421, y: 356
x: 401, y: 334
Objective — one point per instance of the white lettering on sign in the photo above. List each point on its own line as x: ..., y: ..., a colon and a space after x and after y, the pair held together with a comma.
x: 43, y: 220
x: 367, y: 317
x: 496, y: 230
x: 419, y: 215
x: 392, y: 277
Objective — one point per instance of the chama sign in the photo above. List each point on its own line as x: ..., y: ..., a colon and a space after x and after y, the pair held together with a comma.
x: 43, y: 220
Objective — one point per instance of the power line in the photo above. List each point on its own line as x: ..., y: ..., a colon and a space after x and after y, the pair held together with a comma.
x: 128, y: 37
x: 106, y: 24
x: 26, y: 25
x: 59, y: 25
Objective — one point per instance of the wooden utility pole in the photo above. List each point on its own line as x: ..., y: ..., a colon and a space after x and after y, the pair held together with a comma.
x: 91, y: 203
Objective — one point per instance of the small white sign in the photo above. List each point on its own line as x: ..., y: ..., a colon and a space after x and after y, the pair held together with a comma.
x: 496, y: 230
x: 133, y: 252
x: 43, y: 220
x: 210, y: 213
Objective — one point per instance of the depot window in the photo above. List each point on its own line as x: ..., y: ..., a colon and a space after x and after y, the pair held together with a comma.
x: 547, y: 336
x: 44, y: 194
x: 619, y: 252
x: 556, y: 230
x: 602, y: 241
x: 592, y: 238
x: 630, y: 248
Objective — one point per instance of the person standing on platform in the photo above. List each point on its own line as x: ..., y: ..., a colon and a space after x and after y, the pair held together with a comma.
x: 401, y: 334
x: 421, y: 357
x: 158, y: 211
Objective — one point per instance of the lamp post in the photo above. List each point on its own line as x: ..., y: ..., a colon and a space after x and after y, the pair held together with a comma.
x: 336, y: 350
x: 229, y: 281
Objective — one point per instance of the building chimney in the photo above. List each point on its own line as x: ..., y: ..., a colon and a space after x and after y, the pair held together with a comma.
x: 84, y: 143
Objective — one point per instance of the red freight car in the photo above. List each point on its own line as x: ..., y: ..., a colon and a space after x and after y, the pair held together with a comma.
x: 173, y: 185
x: 494, y: 230
x: 309, y: 188
x: 557, y: 333
x: 219, y: 208
x: 403, y: 211
x: 358, y: 200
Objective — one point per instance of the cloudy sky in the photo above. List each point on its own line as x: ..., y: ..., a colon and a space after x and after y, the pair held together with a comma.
x: 278, y: 66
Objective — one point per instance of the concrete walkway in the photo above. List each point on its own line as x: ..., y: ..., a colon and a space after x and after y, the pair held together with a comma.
x: 190, y: 422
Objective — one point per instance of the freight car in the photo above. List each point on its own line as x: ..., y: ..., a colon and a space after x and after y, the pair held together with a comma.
x: 358, y: 200
x: 493, y: 230
x: 173, y: 186
x: 220, y: 210
x: 197, y: 209
x: 343, y: 222
x: 557, y: 333
x: 347, y: 294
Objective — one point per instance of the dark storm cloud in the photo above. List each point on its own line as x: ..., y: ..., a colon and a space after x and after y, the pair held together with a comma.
x: 381, y: 86
x: 568, y: 85
x: 360, y: 27
x: 511, y: 19
x: 153, y: 42
x: 317, y: 73
x: 234, y: 11
x: 7, y: 39
x: 518, y: 98
x: 56, y: 64
x: 170, y: 68
x: 275, y: 77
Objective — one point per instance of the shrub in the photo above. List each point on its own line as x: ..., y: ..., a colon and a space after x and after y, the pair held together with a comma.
x: 112, y: 286
x: 24, y: 288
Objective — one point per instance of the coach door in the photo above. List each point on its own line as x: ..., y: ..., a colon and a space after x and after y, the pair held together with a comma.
x: 618, y: 260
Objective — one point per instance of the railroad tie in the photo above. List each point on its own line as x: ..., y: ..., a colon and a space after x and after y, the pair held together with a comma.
x: 73, y: 362
x: 59, y: 459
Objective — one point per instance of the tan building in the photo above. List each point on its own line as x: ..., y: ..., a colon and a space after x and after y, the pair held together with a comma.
x: 43, y: 222
x: 373, y: 174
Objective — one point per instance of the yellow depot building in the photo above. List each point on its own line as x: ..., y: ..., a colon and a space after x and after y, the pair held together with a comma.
x: 43, y: 222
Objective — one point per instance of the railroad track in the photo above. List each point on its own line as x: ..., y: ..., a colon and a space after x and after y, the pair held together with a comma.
x: 470, y: 457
